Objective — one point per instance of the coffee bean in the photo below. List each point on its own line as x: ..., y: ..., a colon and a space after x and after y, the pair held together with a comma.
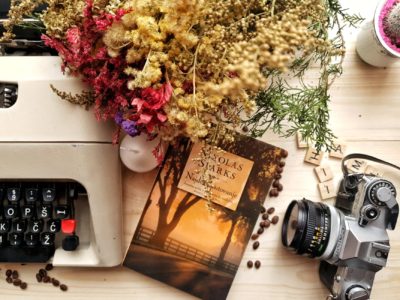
x: 267, y: 223
x: 23, y: 285
x: 14, y: 274
x: 8, y: 273
x: 43, y: 272
x: 280, y: 187
x: 282, y: 164
x: 278, y: 176
x: 55, y: 282
x: 275, y: 220
x: 249, y: 264
x: 256, y: 245
x: 257, y: 264
x: 260, y: 230
x: 274, y: 193
x: 262, y: 210
x: 46, y: 279
x: 279, y: 170
x: 262, y: 224
x: 265, y: 217
x: 17, y: 282
x: 276, y: 183
x: 245, y: 129
x: 49, y: 267
x: 284, y: 153
x: 9, y: 280
x: 271, y: 210
x: 63, y: 287
x: 39, y: 277
x: 254, y: 236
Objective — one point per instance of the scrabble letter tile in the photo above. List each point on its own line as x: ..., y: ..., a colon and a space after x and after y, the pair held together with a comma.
x: 324, y: 173
x: 370, y: 170
x: 313, y: 156
x: 339, y: 151
x: 326, y: 190
x: 300, y: 142
x: 357, y: 165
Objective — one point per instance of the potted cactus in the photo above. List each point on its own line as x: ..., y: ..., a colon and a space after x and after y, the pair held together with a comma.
x: 378, y: 43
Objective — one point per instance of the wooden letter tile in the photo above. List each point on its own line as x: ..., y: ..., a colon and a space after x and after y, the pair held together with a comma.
x: 338, y: 152
x: 357, y: 165
x: 313, y: 156
x: 373, y: 171
x: 326, y: 190
x: 300, y: 142
x: 324, y: 173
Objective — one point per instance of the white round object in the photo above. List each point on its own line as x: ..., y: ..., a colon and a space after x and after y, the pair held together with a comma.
x: 137, y: 153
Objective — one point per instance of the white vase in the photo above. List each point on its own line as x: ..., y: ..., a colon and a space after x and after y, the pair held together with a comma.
x: 371, y: 46
x: 136, y: 153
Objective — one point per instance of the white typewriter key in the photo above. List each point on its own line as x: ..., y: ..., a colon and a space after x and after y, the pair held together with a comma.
x: 137, y: 153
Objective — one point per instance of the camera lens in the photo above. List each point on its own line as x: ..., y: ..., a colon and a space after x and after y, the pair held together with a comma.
x: 306, y: 227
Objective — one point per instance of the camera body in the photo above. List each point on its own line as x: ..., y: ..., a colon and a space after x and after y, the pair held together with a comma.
x: 366, y: 208
x: 350, y: 238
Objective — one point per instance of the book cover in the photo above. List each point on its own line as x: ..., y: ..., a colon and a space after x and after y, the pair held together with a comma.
x: 195, y: 244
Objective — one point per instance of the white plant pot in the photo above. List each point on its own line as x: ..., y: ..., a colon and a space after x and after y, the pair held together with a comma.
x: 371, y: 46
x: 136, y: 153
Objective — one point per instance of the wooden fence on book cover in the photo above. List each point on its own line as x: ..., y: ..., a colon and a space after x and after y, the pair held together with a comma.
x: 144, y: 235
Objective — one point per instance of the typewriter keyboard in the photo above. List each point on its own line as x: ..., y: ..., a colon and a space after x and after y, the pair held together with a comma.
x: 36, y: 217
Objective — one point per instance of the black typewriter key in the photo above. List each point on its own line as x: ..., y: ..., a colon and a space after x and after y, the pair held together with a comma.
x: 31, y: 194
x: 14, y: 194
x: 44, y: 211
x: 49, y: 194
x: 27, y: 211
x: 32, y: 239
x: 35, y: 226
x: 62, y: 211
x: 4, y: 226
x: 15, y: 239
x: 70, y: 243
x: 10, y: 211
x: 3, y: 239
x: 54, y: 226
x: 47, y: 238
x: 18, y: 226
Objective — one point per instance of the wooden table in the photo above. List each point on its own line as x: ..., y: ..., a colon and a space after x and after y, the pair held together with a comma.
x: 365, y: 113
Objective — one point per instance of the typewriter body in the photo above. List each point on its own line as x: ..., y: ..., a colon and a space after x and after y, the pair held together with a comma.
x: 60, y: 176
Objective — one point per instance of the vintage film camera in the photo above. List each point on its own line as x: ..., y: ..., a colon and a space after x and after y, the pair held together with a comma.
x: 350, y: 238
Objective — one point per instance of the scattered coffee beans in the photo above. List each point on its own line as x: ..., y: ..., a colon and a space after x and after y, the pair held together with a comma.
x: 282, y: 164
x: 63, y: 287
x: 275, y: 220
x: 276, y: 183
x: 23, y: 285
x: 256, y: 245
x: 42, y: 272
x: 285, y: 153
x: 271, y: 210
x: 267, y: 223
x: 9, y: 280
x: 39, y: 277
x: 262, y: 210
x: 249, y: 264
x: 254, y: 236
x: 55, y: 282
x: 274, y: 193
x: 8, y: 273
x: 14, y: 274
x: 257, y: 264
x: 265, y: 216
x: 279, y: 170
x: 278, y: 176
x: 260, y: 230
x: 46, y: 279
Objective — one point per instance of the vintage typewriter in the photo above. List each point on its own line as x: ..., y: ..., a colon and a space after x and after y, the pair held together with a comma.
x: 60, y: 177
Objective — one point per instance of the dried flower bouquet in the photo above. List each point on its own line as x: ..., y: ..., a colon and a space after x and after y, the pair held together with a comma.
x: 174, y: 68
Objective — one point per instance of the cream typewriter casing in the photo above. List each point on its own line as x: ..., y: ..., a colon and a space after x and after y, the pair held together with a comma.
x: 44, y: 137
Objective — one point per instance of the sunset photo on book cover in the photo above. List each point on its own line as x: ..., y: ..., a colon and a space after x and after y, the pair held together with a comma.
x: 193, y: 244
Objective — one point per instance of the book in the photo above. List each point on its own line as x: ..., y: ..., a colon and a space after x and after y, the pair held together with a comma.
x: 192, y: 234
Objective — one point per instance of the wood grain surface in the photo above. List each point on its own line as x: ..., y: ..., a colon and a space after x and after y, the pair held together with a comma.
x: 365, y: 114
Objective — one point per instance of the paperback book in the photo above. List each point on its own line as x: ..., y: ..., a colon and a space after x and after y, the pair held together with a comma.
x: 193, y: 235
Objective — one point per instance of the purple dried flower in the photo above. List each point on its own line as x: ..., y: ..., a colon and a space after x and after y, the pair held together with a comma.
x: 119, y: 118
x: 130, y: 128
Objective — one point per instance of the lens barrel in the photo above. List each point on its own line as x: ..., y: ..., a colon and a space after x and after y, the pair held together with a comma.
x: 306, y: 227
